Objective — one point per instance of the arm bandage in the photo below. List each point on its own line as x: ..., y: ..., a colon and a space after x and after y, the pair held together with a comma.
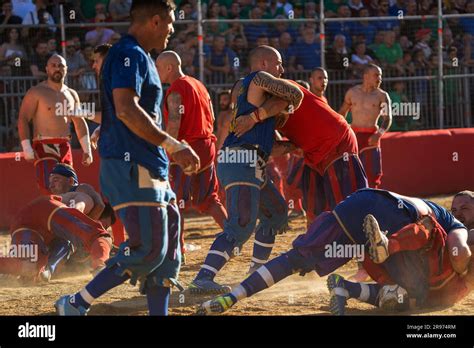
x: 27, y: 149
x: 86, y: 144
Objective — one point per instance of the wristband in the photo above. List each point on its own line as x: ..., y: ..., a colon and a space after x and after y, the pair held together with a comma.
x: 27, y: 149
x: 381, y: 131
x: 86, y: 144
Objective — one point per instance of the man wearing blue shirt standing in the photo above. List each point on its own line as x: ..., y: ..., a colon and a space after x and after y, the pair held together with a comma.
x: 134, y: 165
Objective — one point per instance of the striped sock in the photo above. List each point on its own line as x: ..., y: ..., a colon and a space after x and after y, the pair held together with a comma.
x: 262, y: 247
x: 267, y: 275
x: 363, y: 292
x: 104, y: 281
x: 217, y: 257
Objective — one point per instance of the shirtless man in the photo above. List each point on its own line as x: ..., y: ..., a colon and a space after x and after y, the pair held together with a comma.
x: 367, y: 102
x: 44, y: 105
x: 224, y: 117
x: 318, y: 82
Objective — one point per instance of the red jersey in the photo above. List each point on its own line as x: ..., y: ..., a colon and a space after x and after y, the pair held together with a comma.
x: 197, y: 119
x: 36, y: 216
x: 315, y: 127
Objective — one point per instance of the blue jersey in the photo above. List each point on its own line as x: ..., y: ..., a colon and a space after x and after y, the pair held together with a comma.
x: 127, y: 65
x: 262, y: 134
x: 391, y: 211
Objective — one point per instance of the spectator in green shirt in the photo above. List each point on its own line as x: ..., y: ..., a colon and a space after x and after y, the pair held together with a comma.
x: 398, y: 96
x: 389, y: 53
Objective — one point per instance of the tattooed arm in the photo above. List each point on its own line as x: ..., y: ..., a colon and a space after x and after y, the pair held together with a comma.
x: 280, y: 89
x: 174, y: 114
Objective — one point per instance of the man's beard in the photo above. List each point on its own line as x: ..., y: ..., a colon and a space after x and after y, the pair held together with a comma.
x: 225, y: 108
x: 56, y: 78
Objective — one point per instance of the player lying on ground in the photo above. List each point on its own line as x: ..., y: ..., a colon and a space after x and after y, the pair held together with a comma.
x: 63, y: 181
x: 47, y: 222
x: 344, y: 227
x: 427, y: 274
x: 438, y: 284
x: 250, y: 195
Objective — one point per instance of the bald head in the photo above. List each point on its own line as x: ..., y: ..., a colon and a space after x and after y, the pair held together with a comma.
x: 56, y: 68
x: 266, y: 58
x: 168, y: 65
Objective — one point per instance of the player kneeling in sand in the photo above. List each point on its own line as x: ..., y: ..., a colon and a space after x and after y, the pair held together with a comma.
x: 47, y: 222
x: 425, y: 278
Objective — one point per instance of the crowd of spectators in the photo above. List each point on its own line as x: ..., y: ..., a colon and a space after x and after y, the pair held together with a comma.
x: 400, y: 46
x: 406, y: 47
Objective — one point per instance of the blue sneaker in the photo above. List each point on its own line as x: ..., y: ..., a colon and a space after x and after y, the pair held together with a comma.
x: 339, y: 295
x: 65, y: 308
x: 207, y: 287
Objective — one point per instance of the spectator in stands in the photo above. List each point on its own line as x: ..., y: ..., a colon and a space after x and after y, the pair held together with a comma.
x: 218, y: 61
x: 405, y: 43
x: 76, y: 66
x: 365, y: 27
x: 344, y: 28
x: 22, y: 7
x: 331, y: 7
x: 398, y: 96
x: 286, y: 6
x: 187, y: 59
x: 386, y: 25
x: 468, y: 23
x: 186, y: 8
x: 409, y: 28
x: 360, y: 58
x: 12, y: 54
x: 88, y: 7
x: 355, y: 6
x: 449, y: 42
x: 7, y: 17
x: 310, y: 10
x: 234, y: 12
x: 408, y: 65
x: 423, y: 37
x: 236, y: 29
x: 275, y: 42
x: 338, y: 56
x: 213, y: 12
x: 38, y: 16
x: 397, y: 8
x: 459, y: 5
x: 298, y: 12
x: 52, y: 46
x: 239, y: 48
x: 254, y: 30
x: 190, y: 44
x: 262, y: 40
x: 119, y: 10
x: 39, y: 59
x: 101, y: 8
x: 282, y: 27
x: 100, y: 35
x: 286, y: 50
x: 245, y: 7
x: 307, y: 54
x: 389, y: 53
x: 421, y: 64
x: 455, y: 26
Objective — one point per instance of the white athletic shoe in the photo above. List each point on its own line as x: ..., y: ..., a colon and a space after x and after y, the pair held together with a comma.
x: 378, y: 241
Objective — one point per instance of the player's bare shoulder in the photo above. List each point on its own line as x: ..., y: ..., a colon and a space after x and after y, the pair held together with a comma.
x: 382, y: 95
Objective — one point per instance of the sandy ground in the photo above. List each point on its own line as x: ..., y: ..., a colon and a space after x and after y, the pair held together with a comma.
x: 295, y: 295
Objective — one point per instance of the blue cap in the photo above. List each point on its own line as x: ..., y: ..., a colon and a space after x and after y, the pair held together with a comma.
x: 67, y: 171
